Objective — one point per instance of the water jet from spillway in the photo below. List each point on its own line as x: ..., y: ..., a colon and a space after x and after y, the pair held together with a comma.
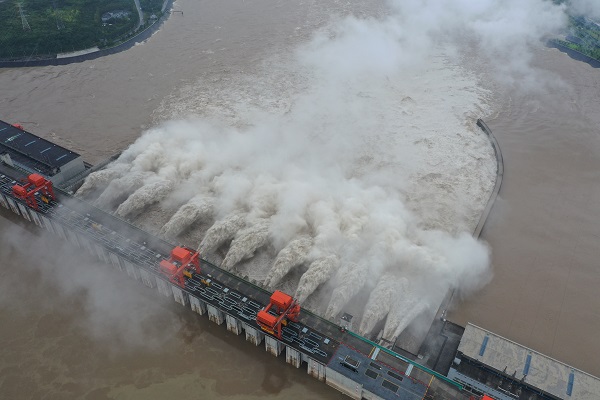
x: 102, y: 178
x: 221, y: 231
x: 294, y: 254
x: 318, y: 272
x: 120, y: 188
x: 380, y: 302
x: 353, y: 278
x: 197, y: 208
x: 246, y: 242
x: 401, y: 316
x: 148, y: 194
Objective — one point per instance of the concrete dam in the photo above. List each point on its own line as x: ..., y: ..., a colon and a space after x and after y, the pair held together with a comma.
x: 37, y: 178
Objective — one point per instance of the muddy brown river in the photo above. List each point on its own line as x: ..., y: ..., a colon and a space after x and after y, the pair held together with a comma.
x: 64, y: 337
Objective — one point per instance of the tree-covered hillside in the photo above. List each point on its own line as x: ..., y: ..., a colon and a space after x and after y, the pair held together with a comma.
x: 583, y: 36
x: 38, y: 28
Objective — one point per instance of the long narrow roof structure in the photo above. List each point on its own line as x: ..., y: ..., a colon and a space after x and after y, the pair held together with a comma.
x: 44, y: 155
x: 538, y: 370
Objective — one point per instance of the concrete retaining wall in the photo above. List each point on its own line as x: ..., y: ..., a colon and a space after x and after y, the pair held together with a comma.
x: 499, y: 177
x: 345, y: 385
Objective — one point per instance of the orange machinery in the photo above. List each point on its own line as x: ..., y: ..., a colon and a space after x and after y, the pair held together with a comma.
x: 35, y: 183
x: 181, y: 263
x: 285, y: 307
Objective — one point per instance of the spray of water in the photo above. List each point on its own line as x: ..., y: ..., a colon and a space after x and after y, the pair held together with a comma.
x: 102, y: 178
x: 401, y: 315
x: 147, y: 156
x: 246, y: 242
x: 380, y: 302
x: 121, y: 188
x: 588, y: 8
x: 222, y: 231
x: 353, y: 278
x: 318, y: 272
x: 294, y: 254
x: 148, y: 194
x: 197, y: 209
x: 375, y: 150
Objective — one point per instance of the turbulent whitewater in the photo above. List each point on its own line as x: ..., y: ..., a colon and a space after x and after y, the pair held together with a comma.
x: 335, y: 164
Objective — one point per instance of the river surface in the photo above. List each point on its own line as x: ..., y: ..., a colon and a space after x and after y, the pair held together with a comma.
x: 64, y: 338
x: 545, y: 226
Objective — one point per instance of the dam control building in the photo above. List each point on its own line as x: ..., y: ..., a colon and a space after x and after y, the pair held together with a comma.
x: 25, y: 151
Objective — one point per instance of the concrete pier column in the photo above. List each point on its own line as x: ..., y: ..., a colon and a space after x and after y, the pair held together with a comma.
x: 24, y: 212
x: 164, y: 287
x: 233, y: 324
x: 58, y: 229
x: 114, y: 260
x: 292, y: 356
x: 13, y: 205
x: 179, y: 295
x: 273, y: 345
x: 253, y: 335
x: 316, y: 369
x: 85, y: 244
x: 132, y: 270
x: 197, y: 305
x: 98, y: 251
x: 102, y: 254
x: 3, y: 201
x: 36, y: 218
x: 72, y: 237
x: 147, y: 278
x: 47, y: 223
x: 215, y: 315
x: 346, y: 385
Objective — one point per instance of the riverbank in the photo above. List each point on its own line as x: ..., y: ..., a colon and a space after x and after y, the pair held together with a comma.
x: 85, y: 55
x: 574, y: 54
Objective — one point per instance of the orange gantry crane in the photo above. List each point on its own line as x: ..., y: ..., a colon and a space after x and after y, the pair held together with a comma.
x: 182, y: 262
x: 282, y: 308
x: 34, y: 184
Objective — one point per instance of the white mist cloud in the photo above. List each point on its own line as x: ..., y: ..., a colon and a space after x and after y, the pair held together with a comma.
x: 109, y: 309
x: 359, y: 152
x: 497, y: 34
x: 588, y: 8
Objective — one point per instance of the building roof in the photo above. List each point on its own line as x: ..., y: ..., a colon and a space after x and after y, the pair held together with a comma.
x: 376, y: 377
x: 22, y: 145
x: 543, y: 372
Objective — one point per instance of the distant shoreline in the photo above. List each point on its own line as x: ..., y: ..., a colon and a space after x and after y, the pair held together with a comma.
x: 574, y: 54
x: 126, y: 45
